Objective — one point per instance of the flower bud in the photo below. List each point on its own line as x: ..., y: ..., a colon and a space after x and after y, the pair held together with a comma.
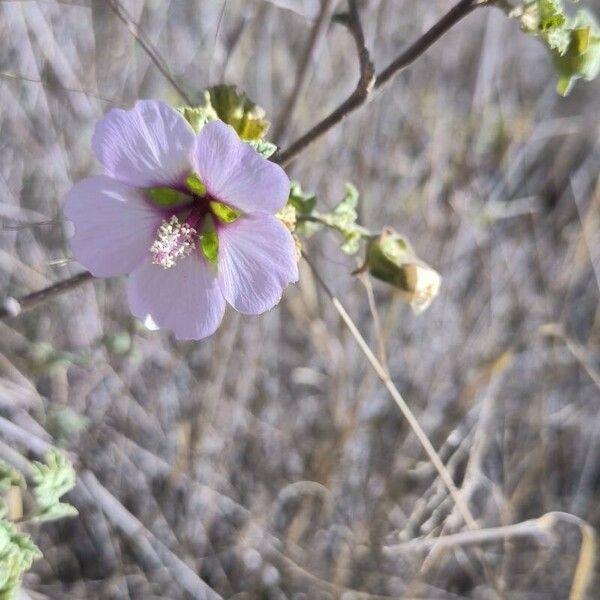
x: 390, y: 258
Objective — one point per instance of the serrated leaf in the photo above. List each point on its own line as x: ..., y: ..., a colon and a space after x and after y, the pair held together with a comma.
x: 343, y: 218
x: 17, y: 553
x: 264, y: 148
x: 9, y: 477
x: 574, y: 43
x: 198, y: 116
x: 51, y: 481
x: 582, y: 57
x: 303, y: 204
x: 54, y: 512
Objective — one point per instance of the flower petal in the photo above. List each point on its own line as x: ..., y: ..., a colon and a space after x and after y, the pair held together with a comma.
x: 257, y: 260
x: 146, y: 146
x: 185, y: 298
x: 114, y: 225
x: 234, y: 173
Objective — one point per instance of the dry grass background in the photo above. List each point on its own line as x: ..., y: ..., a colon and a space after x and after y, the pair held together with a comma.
x: 268, y: 461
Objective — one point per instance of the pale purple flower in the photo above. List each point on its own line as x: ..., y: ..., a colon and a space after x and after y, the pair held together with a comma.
x: 120, y: 230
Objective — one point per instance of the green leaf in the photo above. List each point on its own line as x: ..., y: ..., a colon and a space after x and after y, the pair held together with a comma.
x: 54, y: 512
x: 17, y: 553
x: 546, y: 19
x: 573, y: 43
x: 264, y: 148
x: 582, y: 57
x: 209, y: 240
x: 9, y: 477
x: 51, y: 481
x: 303, y: 202
x: 198, y: 116
x: 343, y: 218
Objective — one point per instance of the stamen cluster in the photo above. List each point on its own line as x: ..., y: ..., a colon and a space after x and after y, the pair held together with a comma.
x: 175, y: 240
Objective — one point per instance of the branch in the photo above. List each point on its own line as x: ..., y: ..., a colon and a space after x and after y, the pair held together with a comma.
x: 11, y: 307
x: 316, y: 35
x: 147, y: 47
x: 360, y: 95
x: 367, y: 82
x: 383, y: 375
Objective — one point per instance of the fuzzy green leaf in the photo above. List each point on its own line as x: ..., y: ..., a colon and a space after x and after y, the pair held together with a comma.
x: 9, y: 477
x: 264, y: 148
x: 198, y: 116
x: 573, y: 43
x: 51, y: 481
x: 303, y: 204
x: 582, y: 57
x: 17, y: 553
x: 343, y: 218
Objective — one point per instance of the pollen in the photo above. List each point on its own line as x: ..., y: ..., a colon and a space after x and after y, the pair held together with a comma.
x: 175, y: 240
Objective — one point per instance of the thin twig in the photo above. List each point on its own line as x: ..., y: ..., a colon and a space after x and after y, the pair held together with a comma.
x: 12, y: 306
x: 367, y: 68
x: 360, y: 95
x: 147, y: 46
x: 528, y: 529
x: 399, y: 400
x: 137, y: 533
x: 317, y: 33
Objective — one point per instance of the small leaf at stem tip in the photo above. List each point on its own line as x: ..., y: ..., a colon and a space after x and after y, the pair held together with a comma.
x: 51, y: 481
x: 264, y: 148
x: 343, y: 218
x: 17, y: 553
x: 209, y: 240
x: 303, y: 204
x: 573, y: 42
x: 198, y: 116
x: 9, y: 477
x: 582, y: 57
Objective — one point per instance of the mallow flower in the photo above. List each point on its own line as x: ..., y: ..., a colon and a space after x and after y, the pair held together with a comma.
x: 190, y: 218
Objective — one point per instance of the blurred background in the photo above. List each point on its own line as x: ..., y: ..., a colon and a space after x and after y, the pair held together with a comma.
x: 269, y: 462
